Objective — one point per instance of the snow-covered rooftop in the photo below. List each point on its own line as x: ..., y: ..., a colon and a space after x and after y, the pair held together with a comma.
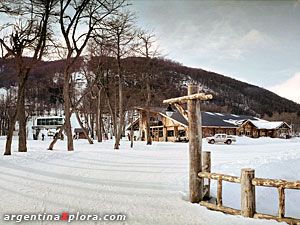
x: 219, y: 114
x: 263, y: 124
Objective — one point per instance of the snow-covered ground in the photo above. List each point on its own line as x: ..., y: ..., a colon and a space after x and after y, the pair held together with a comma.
x: 147, y: 183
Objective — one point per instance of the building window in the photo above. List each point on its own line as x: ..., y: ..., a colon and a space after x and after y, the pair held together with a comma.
x: 155, y: 121
x: 181, y: 133
x: 170, y: 133
x: 160, y: 132
x: 241, y: 132
x: 248, y: 133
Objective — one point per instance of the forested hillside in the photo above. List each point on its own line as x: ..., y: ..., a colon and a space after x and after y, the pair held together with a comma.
x: 168, y: 79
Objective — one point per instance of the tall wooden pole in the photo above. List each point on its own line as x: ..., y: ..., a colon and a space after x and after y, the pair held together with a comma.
x: 195, y: 145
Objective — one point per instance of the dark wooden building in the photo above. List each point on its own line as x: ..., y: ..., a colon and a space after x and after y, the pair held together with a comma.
x: 175, y: 128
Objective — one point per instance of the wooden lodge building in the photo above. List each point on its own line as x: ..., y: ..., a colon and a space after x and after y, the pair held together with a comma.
x: 175, y: 128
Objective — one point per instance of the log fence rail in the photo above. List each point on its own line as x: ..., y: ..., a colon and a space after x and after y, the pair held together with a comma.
x: 248, y: 183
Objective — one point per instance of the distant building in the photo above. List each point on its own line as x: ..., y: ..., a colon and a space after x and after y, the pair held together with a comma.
x: 79, y: 134
x: 263, y: 128
x: 175, y: 128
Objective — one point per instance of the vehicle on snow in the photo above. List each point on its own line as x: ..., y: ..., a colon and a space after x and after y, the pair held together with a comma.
x: 227, y: 139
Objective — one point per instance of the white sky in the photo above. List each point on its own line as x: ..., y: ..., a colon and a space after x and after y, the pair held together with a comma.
x: 253, y: 41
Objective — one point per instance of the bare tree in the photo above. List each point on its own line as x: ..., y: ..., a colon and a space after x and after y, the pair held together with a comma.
x: 75, y: 105
x: 7, y: 102
x: 26, y: 37
x: 73, y: 14
x: 147, y: 49
x: 99, y: 65
x: 83, y: 128
x: 122, y: 33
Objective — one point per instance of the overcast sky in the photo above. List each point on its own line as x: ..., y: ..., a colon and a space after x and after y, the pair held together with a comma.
x: 253, y: 41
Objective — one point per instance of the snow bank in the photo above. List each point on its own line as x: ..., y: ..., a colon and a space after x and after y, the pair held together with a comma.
x: 147, y: 183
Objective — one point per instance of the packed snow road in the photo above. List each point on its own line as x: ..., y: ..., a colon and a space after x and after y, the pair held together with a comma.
x: 149, y: 184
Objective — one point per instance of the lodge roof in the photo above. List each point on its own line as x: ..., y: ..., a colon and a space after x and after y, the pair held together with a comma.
x: 209, y: 119
x: 264, y: 124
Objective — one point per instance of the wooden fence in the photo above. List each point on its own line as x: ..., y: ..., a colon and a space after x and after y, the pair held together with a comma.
x: 248, y: 183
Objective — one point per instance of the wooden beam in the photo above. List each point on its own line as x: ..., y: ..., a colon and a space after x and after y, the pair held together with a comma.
x: 288, y: 220
x: 184, y: 99
x: 220, y: 208
x: 216, y: 176
x: 276, y: 183
x: 232, y: 211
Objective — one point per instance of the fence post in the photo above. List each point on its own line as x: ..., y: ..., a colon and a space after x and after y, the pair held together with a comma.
x: 248, y: 205
x: 281, y: 202
x: 207, y: 168
x: 195, y: 145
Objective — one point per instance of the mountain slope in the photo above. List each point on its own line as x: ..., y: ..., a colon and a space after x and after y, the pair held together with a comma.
x: 169, y: 79
x: 230, y: 95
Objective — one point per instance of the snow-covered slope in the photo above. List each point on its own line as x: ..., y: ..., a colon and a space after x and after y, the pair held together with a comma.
x: 147, y: 183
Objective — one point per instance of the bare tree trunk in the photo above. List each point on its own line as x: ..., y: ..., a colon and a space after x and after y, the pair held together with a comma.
x: 22, y: 124
x: 86, y: 117
x: 98, y: 128
x: 99, y: 119
x: 83, y: 129
x: 92, y: 119
x: 131, y: 132
x: 67, y: 103
x: 10, y: 134
x: 21, y: 90
x: 105, y: 132
x: 56, y: 138
x: 121, y: 116
x: 112, y: 113
x: 149, y: 138
x: 115, y: 116
x: 123, y: 128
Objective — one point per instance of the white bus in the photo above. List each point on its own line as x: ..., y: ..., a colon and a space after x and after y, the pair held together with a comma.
x: 51, y: 122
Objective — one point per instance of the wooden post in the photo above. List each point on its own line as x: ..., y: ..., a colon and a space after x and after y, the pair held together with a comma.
x: 207, y: 168
x: 219, y: 193
x: 195, y: 146
x: 248, y: 205
x: 281, y: 202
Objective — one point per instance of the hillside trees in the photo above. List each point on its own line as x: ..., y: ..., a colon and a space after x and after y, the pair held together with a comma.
x: 27, y: 37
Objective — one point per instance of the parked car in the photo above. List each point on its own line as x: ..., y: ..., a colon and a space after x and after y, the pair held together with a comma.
x: 50, y: 133
x: 227, y: 139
